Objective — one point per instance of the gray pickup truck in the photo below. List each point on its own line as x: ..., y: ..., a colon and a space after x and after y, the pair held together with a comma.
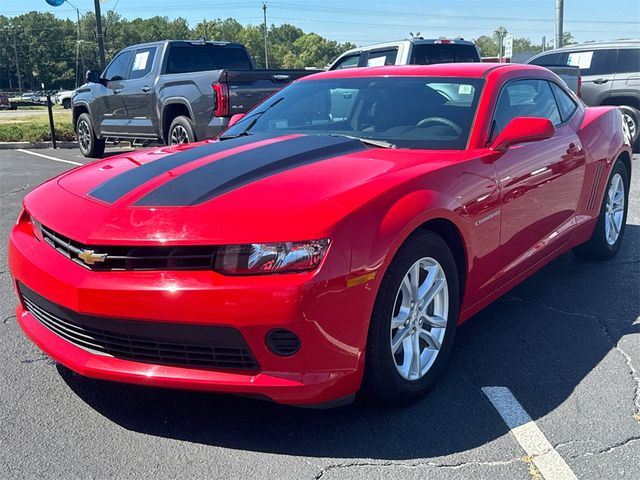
x: 173, y: 92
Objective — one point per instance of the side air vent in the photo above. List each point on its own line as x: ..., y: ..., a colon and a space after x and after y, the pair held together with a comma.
x: 591, y: 203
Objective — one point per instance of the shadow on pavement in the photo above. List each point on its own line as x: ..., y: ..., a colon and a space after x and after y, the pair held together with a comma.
x: 541, y: 340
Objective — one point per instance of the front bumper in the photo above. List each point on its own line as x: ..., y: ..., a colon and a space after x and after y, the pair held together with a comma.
x: 330, y: 319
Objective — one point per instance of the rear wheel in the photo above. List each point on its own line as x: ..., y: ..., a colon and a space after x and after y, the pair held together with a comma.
x: 90, y: 145
x: 413, y: 322
x: 181, y: 131
x: 607, y: 235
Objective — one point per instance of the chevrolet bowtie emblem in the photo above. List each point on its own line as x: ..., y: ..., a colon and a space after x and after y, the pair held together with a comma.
x: 90, y: 257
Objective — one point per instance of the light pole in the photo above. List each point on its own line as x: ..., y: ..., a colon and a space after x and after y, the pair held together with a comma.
x: 99, y: 34
x: 559, y: 21
x: 266, y: 51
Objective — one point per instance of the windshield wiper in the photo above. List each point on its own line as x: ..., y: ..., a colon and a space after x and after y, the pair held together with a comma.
x: 255, y: 118
x: 366, y: 140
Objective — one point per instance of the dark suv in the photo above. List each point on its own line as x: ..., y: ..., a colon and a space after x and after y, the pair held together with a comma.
x: 610, y: 75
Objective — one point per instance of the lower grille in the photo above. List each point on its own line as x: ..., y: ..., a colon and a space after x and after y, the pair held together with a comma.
x: 147, y: 342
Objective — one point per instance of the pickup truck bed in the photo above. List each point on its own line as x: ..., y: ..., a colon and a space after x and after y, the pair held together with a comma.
x: 172, y: 91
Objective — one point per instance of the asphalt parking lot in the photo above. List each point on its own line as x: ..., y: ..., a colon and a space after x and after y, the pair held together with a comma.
x: 566, y: 343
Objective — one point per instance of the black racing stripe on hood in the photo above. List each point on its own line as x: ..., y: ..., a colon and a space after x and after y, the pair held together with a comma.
x: 228, y: 173
x: 120, y: 185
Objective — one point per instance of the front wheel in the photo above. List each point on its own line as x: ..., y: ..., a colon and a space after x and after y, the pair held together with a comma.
x: 607, y: 235
x: 413, y: 322
x: 631, y: 125
x: 90, y: 145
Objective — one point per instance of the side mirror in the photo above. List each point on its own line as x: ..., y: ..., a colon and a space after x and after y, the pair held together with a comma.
x: 93, y: 76
x: 523, y: 129
x: 235, y: 119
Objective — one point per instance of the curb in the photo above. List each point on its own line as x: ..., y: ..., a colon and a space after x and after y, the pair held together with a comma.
x: 16, y: 145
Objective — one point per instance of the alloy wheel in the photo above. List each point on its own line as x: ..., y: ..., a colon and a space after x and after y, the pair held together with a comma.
x: 630, y: 125
x: 419, y: 318
x: 179, y: 135
x: 614, y: 209
x: 84, y: 135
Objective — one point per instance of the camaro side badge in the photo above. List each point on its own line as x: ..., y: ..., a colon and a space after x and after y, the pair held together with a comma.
x: 487, y: 218
x: 90, y: 257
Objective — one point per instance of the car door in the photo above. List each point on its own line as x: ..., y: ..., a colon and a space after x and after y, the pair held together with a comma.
x: 539, y: 182
x: 110, y: 106
x: 381, y: 57
x: 137, y: 95
x: 597, y: 69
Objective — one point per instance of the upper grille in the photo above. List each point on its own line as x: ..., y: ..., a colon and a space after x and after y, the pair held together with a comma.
x: 134, y: 258
x: 147, y: 342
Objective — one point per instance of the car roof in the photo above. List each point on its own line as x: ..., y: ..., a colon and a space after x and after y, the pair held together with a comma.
x: 178, y: 42
x: 468, y: 70
x: 597, y: 45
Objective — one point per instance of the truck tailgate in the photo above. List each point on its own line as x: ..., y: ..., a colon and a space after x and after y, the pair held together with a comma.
x: 247, y: 88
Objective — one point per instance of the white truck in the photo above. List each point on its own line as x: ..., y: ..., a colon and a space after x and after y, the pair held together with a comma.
x: 414, y: 51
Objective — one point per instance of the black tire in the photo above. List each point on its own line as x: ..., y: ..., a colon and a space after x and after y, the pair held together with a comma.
x: 382, y: 380
x: 597, y: 247
x: 66, y: 103
x: 181, y: 131
x: 90, y: 145
x: 632, y: 118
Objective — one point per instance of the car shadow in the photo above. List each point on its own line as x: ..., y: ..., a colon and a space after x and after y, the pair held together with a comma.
x: 541, y: 340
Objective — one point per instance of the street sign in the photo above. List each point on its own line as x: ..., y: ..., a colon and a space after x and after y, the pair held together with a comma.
x: 508, y: 46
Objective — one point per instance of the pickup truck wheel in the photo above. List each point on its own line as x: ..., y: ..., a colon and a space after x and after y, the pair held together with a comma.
x: 66, y: 103
x: 413, y: 322
x: 90, y: 145
x: 181, y: 131
x: 631, y: 119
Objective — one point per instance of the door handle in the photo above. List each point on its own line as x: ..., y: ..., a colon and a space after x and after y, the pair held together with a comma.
x: 600, y: 81
x: 116, y: 91
x: 146, y: 88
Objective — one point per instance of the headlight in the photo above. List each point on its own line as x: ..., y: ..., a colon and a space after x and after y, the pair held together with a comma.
x: 264, y: 258
x: 26, y: 219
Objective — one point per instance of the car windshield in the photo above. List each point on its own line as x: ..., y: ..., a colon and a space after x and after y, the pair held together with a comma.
x: 407, y: 112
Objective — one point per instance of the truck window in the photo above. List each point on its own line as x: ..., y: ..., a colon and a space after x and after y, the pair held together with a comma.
x: 379, y: 58
x: 558, y: 58
x: 427, y: 54
x: 628, y: 60
x: 349, y: 61
x: 142, y: 62
x: 117, y: 69
x: 594, y: 62
x: 199, y: 58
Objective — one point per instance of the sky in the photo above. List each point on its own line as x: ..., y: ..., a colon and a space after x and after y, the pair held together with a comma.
x: 371, y: 21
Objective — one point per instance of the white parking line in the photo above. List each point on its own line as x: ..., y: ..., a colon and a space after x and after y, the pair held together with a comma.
x: 48, y: 157
x: 546, y: 459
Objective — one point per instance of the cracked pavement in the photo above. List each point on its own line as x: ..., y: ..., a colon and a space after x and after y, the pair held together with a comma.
x: 566, y: 342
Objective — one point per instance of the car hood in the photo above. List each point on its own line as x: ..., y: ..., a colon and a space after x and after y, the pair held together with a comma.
x: 249, y: 189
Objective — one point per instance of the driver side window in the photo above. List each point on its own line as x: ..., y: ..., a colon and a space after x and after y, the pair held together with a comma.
x: 524, y: 98
x: 117, y: 69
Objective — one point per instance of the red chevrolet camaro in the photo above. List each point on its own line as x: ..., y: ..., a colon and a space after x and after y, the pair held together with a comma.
x: 331, y: 240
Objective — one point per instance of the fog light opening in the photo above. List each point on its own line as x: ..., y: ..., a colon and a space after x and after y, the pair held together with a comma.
x: 282, y: 342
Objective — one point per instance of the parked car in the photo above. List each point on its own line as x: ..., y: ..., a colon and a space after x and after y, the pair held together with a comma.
x: 415, y: 51
x: 30, y: 97
x: 5, y: 104
x: 307, y: 252
x: 172, y: 91
x: 64, y: 98
x: 610, y: 75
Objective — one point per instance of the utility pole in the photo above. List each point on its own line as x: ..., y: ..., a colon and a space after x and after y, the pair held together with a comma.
x: 544, y: 43
x: 78, y: 47
x: 99, y: 33
x: 266, y: 51
x: 15, y: 51
x: 559, y: 21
